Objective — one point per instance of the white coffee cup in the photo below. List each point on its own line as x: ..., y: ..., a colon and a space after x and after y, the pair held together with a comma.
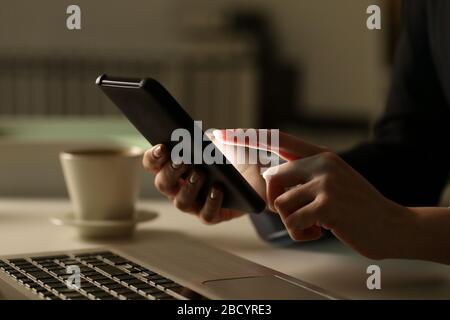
x: 103, y: 184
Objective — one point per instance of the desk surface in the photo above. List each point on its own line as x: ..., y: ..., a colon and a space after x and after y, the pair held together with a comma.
x: 25, y: 227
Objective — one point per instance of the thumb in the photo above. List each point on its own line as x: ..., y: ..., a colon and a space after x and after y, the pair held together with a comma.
x: 284, y: 145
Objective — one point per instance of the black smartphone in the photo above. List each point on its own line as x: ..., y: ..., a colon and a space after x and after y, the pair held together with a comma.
x: 156, y: 114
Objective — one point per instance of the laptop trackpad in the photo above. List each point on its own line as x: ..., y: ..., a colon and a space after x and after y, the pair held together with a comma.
x: 260, y: 287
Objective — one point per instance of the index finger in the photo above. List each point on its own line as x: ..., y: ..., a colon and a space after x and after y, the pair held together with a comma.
x: 284, y: 145
x: 283, y: 177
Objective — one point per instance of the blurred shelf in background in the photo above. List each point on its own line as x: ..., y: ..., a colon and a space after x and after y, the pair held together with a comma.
x: 29, y: 162
x: 113, y: 129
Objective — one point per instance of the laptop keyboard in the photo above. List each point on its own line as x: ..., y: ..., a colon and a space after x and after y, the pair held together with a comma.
x: 103, y: 275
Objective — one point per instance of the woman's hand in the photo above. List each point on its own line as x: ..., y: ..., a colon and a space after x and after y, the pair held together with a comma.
x: 317, y: 189
x: 324, y: 191
x: 181, y: 185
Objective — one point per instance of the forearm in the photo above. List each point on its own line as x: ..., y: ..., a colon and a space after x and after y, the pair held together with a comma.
x: 427, y: 235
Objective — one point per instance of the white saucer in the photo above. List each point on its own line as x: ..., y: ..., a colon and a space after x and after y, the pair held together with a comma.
x: 104, y: 228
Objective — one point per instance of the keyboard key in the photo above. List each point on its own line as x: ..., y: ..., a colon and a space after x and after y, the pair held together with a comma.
x: 39, y: 274
x: 149, y: 290
x: 80, y: 297
x: 49, y: 296
x: 123, y: 277
x: 71, y: 295
x: 170, y: 285
x: 154, y: 277
x: 94, y: 289
x: 51, y: 280
x: 135, y: 270
x: 39, y: 289
x: 70, y: 262
x: 140, y: 285
x: 90, y: 289
x: 56, y: 285
x: 43, y: 258
x: 95, y: 260
x: 65, y: 277
x: 25, y: 281
x: 132, y: 281
x: 29, y: 268
x: 148, y: 273
x: 65, y: 289
x: 19, y: 262
x: 26, y: 265
x: 9, y: 270
x: 97, y: 276
x: 17, y: 275
x: 58, y: 272
x: 90, y: 260
x: 89, y: 274
x: 132, y: 296
x: 123, y: 290
x: 106, y: 282
x: 50, y: 265
x: 115, y: 285
x: 116, y: 260
x: 85, y: 283
x: 110, y: 270
x: 84, y: 268
x: 85, y: 255
x: 158, y: 282
x: 102, y: 295
x: 162, y: 281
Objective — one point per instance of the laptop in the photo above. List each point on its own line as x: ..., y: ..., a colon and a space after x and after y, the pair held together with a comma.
x: 170, y: 266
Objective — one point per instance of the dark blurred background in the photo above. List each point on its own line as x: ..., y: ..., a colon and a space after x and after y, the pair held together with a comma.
x: 309, y: 67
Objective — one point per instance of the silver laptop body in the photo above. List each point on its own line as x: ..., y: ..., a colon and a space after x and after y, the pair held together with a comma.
x: 207, y: 271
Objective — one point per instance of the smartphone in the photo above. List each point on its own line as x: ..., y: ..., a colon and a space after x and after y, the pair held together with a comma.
x: 156, y: 114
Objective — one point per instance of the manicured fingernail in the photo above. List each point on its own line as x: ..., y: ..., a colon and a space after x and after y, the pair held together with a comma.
x: 157, y: 151
x: 176, y: 165
x: 218, y: 134
x: 193, y: 178
x: 267, y: 173
x: 214, y: 194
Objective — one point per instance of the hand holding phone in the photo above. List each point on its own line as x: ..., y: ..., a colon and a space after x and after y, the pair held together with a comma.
x: 183, y: 192
x: 156, y: 115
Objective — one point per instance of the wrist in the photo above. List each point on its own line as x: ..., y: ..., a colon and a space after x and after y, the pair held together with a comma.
x: 403, y: 223
x: 409, y: 248
x: 430, y: 239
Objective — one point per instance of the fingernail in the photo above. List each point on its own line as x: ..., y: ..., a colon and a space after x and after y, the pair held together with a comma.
x: 218, y: 134
x: 214, y: 194
x: 193, y: 178
x: 157, y: 151
x: 268, y: 172
x: 176, y: 165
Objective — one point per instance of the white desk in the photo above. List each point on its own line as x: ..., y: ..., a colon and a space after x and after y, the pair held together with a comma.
x: 25, y: 227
